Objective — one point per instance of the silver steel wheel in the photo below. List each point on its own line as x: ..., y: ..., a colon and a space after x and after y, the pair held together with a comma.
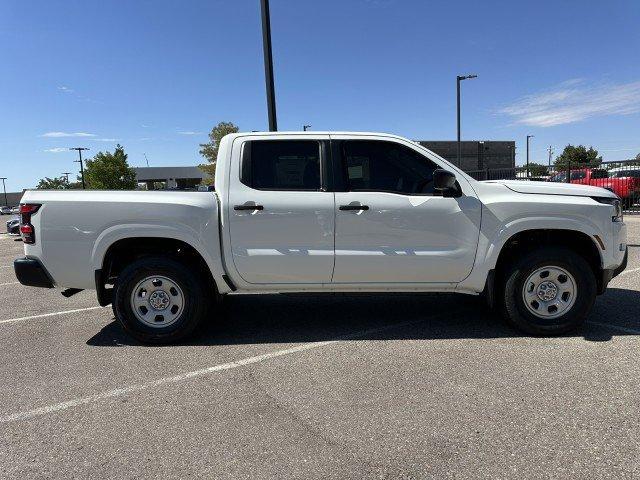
x: 549, y: 292
x: 157, y: 301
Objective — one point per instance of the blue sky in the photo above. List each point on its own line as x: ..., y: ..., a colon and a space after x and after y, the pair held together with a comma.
x: 155, y: 76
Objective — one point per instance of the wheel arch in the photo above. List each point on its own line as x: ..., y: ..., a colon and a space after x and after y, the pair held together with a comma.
x: 115, y: 248
x: 523, y: 241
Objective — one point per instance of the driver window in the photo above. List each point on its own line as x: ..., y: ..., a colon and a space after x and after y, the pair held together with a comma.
x: 371, y: 165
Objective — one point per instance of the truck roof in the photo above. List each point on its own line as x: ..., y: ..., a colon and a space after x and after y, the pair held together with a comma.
x: 312, y: 133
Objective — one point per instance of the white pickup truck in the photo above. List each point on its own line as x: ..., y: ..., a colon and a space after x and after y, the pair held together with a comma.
x: 327, y: 212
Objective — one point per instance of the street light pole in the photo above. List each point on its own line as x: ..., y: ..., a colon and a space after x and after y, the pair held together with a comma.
x: 459, y: 78
x: 268, y: 65
x: 4, y: 188
x: 80, y: 149
x: 528, y: 137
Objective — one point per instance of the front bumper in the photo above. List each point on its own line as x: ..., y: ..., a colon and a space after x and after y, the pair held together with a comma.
x: 32, y: 273
x: 609, y: 274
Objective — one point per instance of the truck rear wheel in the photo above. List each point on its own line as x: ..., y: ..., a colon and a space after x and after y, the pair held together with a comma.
x: 549, y: 291
x: 158, y: 300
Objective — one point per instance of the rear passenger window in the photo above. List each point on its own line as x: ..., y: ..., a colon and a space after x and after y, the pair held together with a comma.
x: 281, y: 165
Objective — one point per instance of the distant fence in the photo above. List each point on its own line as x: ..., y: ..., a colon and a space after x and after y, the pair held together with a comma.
x: 622, y: 178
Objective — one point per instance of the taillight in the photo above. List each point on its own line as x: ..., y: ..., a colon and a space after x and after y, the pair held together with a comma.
x: 26, y: 229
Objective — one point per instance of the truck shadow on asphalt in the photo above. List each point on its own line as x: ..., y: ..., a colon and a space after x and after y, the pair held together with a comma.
x: 255, y: 319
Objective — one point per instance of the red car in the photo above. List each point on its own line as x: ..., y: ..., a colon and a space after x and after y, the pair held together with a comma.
x: 626, y: 187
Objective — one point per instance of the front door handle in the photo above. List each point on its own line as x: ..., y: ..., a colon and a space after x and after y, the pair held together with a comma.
x: 354, y: 207
x: 248, y: 207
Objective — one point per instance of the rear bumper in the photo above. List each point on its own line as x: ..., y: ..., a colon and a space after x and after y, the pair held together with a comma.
x: 32, y: 273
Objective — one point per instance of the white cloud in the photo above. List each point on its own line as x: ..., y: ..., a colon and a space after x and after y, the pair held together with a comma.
x: 188, y: 132
x: 56, y: 150
x: 106, y: 139
x: 574, y: 101
x: 66, y: 134
x: 64, y: 89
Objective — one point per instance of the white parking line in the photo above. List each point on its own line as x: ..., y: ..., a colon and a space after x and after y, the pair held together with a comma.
x: 44, y: 315
x: 118, y: 392
x: 8, y: 283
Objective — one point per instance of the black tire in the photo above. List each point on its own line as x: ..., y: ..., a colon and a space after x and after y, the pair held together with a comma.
x: 195, y: 300
x: 511, y: 294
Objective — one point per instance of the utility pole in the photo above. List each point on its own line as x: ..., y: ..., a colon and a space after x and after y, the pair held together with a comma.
x: 550, y: 150
x: 4, y: 188
x: 306, y: 127
x: 268, y: 65
x: 80, y: 149
x: 459, y: 78
x: 528, y: 137
x: 66, y: 174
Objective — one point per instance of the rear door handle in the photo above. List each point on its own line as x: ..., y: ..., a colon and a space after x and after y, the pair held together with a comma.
x: 354, y: 207
x: 248, y: 207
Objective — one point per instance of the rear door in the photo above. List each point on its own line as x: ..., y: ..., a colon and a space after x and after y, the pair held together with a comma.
x: 391, y: 226
x: 281, y: 218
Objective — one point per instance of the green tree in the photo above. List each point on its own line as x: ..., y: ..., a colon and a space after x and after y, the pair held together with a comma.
x: 110, y: 171
x: 210, y: 150
x: 577, y: 157
x: 537, y: 169
x: 53, y: 184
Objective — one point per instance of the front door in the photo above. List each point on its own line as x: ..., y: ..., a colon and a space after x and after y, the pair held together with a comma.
x: 391, y: 226
x: 281, y: 218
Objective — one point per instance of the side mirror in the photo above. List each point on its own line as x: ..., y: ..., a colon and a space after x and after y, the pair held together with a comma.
x: 445, y: 181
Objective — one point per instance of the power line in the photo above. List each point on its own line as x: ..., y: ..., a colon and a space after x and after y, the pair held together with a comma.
x: 80, y: 149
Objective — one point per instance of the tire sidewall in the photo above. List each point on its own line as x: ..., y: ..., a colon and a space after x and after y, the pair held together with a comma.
x: 515, y: 309
x: 192, y: 311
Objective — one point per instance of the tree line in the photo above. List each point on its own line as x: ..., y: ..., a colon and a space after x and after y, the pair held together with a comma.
x: 572, y: 157
x: 105, y: 171
x: 111, y: 170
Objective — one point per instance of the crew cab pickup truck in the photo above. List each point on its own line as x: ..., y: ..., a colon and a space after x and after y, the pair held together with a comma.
x: 623, y: 184
x: 327, y: 212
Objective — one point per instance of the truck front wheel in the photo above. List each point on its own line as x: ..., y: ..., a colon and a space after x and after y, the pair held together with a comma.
x: 548, y: 291
x: 158, y: 300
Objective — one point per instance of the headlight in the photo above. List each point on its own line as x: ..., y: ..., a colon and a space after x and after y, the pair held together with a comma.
x: 615, y: 203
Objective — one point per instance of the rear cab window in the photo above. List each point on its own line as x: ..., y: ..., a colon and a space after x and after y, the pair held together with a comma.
x: 292, y: 165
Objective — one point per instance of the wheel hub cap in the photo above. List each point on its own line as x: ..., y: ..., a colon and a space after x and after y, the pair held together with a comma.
x: 549, y: 292
x: 157, y: 301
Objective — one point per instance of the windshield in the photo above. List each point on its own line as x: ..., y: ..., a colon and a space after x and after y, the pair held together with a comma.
x: 559, y: 177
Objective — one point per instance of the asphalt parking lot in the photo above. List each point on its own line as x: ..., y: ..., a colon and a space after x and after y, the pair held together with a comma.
x: 334, y: 386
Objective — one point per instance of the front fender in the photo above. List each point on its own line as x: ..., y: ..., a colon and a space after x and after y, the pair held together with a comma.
x: 494, y: 237
x: 495, y: 244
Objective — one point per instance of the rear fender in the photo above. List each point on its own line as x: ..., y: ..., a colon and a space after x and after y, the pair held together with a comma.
x: 208, y: 248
